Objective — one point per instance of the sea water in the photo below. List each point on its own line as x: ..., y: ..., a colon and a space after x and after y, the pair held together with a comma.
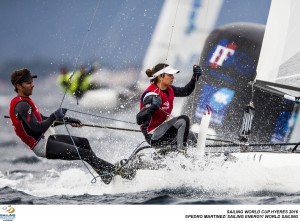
x: 27, y: 179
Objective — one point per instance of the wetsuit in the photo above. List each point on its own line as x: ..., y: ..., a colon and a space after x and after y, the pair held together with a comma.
x: 157, y: 128
x: 32, y: 127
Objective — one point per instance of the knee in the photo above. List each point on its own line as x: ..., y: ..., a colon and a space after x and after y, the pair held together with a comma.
x: 84, y: 142
x: 185, y: 118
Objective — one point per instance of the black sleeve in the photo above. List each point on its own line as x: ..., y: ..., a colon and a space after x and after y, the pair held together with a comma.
x: 44, y: 117
x: 186, y: 90
x: 144, y: 116
x: 24, y: 112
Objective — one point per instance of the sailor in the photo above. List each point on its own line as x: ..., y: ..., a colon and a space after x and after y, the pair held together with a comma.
x: 77, y: 83
x: 36, y: 131
x: 63, y: 78
x: 156, y: 105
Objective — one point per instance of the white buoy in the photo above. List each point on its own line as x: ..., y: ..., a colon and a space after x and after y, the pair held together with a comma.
x: 203, y: 129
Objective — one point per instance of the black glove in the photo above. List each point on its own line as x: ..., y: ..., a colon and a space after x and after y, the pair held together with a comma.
x: 197, y: 72
x: 60, y: 113
x: 72, y: 120
x: 156, y: 101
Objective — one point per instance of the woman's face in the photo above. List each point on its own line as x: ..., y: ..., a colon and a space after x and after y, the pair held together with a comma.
x: 166, y: 80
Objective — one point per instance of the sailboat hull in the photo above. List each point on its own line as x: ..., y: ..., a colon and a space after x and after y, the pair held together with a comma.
x: 271, y: 160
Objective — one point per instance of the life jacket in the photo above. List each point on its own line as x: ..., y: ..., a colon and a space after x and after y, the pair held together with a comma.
x: 79, y: 82
x: 162, y: 114
x: 29, y: 139
x: 63, y: 80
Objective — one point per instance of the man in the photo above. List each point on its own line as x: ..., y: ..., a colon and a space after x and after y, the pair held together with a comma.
x: 77, y: 83
x: 156, y: 105
x: 35, y: 130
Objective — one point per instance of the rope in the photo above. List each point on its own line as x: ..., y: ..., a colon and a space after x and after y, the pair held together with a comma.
x: 105, y: 127
x: 252, y: 145
x: 69, y: 83
x: 199, y: 59
x: 107, y: 118
x: 94, y: 178
x: 80, y: 51
x: 172, y: 31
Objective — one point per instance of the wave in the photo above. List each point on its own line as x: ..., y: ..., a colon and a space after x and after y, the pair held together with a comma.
x: 26, y: 159
x: 203, y: 182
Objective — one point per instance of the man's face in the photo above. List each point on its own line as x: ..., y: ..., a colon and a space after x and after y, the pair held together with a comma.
x: 25, y: 88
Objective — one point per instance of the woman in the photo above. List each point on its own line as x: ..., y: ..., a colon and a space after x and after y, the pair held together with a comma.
x: 156, y: 105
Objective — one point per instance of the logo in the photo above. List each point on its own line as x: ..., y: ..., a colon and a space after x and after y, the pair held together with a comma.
x: 9, y: 209
x: 8, y: 213
x: 222, y: 97
x: 228, y: 57
x: 222, y: 52
x: 166, y: 104
x: 218, y: 99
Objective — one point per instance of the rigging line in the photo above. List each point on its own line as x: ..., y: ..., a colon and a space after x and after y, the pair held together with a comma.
x: 172, y: 31
x: 94, y: 178
x: 76, y: 61
x: 80, y: 51
x: 251, y: 145
x: 205, y: 24
x: 94, y: 115
x: 169, y: 45
x: 105, y: 127
x: 212, y: 139
x: 166, y: 60
x: 199, y: 58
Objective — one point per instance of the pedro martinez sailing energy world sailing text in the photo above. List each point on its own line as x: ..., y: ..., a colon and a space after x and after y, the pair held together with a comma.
x: 260, y: 214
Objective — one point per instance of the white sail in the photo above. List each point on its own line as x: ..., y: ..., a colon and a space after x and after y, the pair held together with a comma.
x: 279, y: 60
x: 280, y: 53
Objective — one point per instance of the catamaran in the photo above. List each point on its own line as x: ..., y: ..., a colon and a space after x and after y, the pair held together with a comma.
x: 245, y: 66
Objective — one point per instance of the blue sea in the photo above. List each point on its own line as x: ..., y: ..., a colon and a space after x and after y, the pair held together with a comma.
x: 26, y: 179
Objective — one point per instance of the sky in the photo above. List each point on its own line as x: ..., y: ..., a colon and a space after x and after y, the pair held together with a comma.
x: 44, y: 35
x: 114, y: 32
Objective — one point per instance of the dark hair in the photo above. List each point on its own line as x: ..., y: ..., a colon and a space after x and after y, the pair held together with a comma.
x: 156, y: 68
x: 18, y: 75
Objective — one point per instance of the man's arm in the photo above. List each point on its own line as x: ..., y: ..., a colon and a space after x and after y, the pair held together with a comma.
x: 23, y: 112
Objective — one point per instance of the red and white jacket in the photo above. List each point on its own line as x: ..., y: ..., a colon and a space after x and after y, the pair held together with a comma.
x: 28, y: 139
x: 162, y: 114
